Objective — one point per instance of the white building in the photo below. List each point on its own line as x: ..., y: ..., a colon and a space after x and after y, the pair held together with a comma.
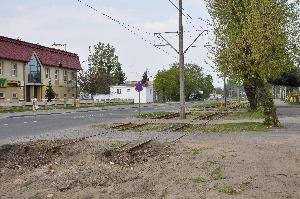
x: 127, y: 92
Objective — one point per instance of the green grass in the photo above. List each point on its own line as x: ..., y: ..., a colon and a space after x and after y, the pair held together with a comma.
x: 294, y: 103
x: 211, y: 105
x: 244, y: 126
x: 217, y: 174
x: 195, y: 151
x: 15, y: 109
x: 53, y: 107
x: 114, y: 145
x: 198, y: 180
x: 153, y: 127
x: 153, y: 115
x: 218, y: 128
x: 245, y: 114
x: 229, y: 127
x: 229, y: 191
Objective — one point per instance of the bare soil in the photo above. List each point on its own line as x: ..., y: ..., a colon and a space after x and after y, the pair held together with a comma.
x: 247, y: 168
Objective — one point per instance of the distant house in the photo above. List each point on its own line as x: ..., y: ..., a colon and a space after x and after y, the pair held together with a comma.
x: 127, y: 92
x: 26, y: 69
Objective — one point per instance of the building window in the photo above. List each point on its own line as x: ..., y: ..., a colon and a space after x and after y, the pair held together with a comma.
x: 65, y: 76
x: 119, y: 91
x: 1, y: 68
x: 56, y: 74
x: 128, y: 90
x: 65, y: 95
x: 47, y: 73
x: 150, y: 91
x: 14, y: 69
x: 34, y: 72
x: 15, y: 95
x: 2, y: 95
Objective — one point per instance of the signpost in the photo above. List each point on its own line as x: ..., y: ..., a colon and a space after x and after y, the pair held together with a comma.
x: 139, y: 88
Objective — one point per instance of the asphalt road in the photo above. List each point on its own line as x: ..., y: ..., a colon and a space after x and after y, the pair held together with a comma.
x: 39, y: 124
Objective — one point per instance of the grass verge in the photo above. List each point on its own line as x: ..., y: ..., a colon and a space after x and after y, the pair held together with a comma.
x: 294, y: 103
x: 217, y: 174
x: 198, y: 180
x: 218, y: 128
x: 153, y: 115
x: 229, y: 191
x: 229, y: 127
x: 211, y: 105
x: 14, y: 109
x: 58, y: 107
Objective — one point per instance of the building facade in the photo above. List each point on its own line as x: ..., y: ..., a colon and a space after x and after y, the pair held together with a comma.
x: 26, y: 70
x: 127, y: 92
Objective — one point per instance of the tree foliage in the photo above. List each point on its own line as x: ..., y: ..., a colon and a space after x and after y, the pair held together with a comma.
x: 256, y: 40
x: 145, y: 78
x: 167, y: 84
x: 104, y: 70
x: 290, y: 78
x: 50, y: 94
x: 219, y: 91
x: 253, y: 37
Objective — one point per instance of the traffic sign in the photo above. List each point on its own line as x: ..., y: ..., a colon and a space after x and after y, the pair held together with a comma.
x: 139, y: 86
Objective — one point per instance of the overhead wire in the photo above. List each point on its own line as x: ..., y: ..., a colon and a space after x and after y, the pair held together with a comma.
x: 132, y: 29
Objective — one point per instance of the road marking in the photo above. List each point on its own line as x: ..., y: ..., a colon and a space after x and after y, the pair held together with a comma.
x: 5, y: 124
x: 34, y: 121
x: 25, y: 122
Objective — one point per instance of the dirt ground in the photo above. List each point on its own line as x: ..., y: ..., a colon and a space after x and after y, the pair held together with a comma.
x: 228, y: 168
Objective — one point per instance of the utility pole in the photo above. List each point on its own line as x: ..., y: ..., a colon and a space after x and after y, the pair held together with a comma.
x: 238, y: 92
x: 181, y: 52
x: 225, y: 92
x: 181, y: 64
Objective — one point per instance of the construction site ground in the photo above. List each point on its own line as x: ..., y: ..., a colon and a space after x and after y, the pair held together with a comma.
x: 130, y: 164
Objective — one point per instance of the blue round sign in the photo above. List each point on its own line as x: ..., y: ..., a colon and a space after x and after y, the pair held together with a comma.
x: 139, y: 87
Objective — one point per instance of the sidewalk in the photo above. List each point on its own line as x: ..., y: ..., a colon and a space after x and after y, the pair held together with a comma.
x: 279, y: 102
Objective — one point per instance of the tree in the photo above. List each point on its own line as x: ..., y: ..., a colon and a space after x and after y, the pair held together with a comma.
x: 167, y: 84
x: 104, y: 70
x: 145, y: 78
x: 207, y: 87
x: 50, y: 94
x: 219, y: 91
x: 255, y: 42
x: 290, y: 78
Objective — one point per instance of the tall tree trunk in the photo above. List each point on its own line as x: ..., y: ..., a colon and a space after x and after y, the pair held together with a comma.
x: 267, y: 103
x: 250, y: 89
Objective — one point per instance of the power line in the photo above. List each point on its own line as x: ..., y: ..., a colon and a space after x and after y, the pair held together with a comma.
x: 186, y: 15
x: 132, y: 29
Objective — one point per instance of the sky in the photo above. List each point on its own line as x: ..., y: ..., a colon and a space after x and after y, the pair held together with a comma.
x: 72, y: 23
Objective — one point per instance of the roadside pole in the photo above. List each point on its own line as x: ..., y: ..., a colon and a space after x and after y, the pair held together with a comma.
x: 238, y: 92
x: 139, y: 103
x: 181, y: 52
x: 139, y: 88
x: 225, y: 92
x: 181, y: 64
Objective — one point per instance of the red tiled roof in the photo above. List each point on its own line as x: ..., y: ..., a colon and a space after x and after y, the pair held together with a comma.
x: 17, y: 50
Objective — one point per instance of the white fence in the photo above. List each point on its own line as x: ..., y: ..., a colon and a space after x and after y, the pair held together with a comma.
x: 67, y: 102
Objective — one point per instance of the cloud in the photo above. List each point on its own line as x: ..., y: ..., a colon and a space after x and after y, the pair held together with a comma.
x: 80, y: 27
x: 161, y: 26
